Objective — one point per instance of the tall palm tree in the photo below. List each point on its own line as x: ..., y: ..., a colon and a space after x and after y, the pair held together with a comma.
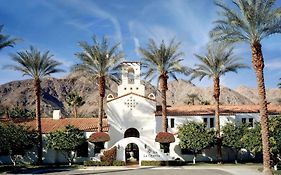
x: 279, y: 84
x: 37, y: 65
x: 74, y: 100
x: 219, y: 60
x: 5, y: 40
x: 162, y: 61
x: 251, y: 22
x: 100, y: 62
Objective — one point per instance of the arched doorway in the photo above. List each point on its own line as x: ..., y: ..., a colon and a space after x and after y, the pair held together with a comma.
x: 132, y: 132
x: 132, y: 154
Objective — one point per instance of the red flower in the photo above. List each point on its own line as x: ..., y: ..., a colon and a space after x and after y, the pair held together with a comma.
x: 165, y: 137
x: 99, y: 137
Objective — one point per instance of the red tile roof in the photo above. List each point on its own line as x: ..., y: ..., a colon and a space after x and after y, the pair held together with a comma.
x: 188, y: 110
x: 49, y: 124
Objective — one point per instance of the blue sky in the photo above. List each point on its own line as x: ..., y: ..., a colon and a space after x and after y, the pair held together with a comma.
x: 58, y: 26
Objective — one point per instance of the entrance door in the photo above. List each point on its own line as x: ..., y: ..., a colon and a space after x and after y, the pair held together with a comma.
x: 132, y: 154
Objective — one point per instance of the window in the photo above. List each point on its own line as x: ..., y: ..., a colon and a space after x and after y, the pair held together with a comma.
x: 205, y: 120
x: 209, y: 122
x: 212, y: 123
x: 165, y: 147
x: 172, y: 122
x: 251, y: 122
x: 131, y: 76
x: 99, y: 146
x: 82, y: 150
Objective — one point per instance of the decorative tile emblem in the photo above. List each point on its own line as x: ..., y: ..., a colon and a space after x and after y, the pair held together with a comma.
x: 131, y: 103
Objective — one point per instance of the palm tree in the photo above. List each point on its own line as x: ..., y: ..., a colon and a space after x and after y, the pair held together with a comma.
x: 253, y: 21
x: 74, y: 100
x: 5, y: 40
x: 218, y: 61
x: 279, y: 84
x: 162, y: 61
x: 100, y: 62
x: 37, y: 65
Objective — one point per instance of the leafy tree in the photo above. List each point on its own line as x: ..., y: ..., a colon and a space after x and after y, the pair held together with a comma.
x: 191, y: 98
x: 162, y: 61
x: 36, y: 65
x: 195, y: 137
x: 66, y: 140
x: 100, y: 62
x: 5, y: 40
x: 232, y: 135
x: 17, y: 112
x: 219, y: 60
x: 252, y: 140
x: 251, y: 22
x: 74, y: 100
x: 16, y: 140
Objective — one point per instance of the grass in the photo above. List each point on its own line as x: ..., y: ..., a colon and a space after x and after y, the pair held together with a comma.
x: 278, y: 172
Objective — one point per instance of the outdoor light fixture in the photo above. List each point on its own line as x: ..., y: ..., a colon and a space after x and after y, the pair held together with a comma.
x: 118, y: 146
x: 145, y: 146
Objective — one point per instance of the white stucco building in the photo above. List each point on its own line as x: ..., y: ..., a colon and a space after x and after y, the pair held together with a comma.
x: 133, y: 122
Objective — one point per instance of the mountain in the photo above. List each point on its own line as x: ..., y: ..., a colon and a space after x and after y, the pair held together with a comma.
x: 54, y: 93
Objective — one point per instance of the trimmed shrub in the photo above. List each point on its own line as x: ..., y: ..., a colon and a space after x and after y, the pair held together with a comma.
x: 99, y: 163
x: 163, y: 163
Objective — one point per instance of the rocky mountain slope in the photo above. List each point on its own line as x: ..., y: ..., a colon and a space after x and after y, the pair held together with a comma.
x: 54, y: 93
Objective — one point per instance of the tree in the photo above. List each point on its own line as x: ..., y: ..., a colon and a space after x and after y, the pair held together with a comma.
x: 16, y: 140
x: 66, y: 140
x: 37, y: 65
x: 5, y: 40
x: 232, y: 135
x: 101, y: 63
x: 74, y: 100
x: 162, y: 61
x: 279, y: 84
x: 195, y: 137
x: 191, y: 98
x: 219, y: 60
x: 253, y: 21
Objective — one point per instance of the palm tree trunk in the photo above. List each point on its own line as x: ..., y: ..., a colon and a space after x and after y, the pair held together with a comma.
x: 217, y: 116
x: 164, y: 88
x: 37, y: 89
x: 258, y: 64
x: 102, y: 94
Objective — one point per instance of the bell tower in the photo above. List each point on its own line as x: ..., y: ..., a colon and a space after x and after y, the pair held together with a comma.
x: 131, y: 82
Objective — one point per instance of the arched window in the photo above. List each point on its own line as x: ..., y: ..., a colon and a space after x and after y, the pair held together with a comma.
x: 131, y: 132
x: 131, y: 76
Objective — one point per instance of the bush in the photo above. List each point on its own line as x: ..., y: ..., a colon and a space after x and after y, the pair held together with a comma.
x: 100, y: 163
x: 109, y: 155
x: 163, y: 163
x: 118, y: 163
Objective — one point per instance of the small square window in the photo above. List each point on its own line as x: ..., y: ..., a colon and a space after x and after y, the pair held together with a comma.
x: 125, y: 88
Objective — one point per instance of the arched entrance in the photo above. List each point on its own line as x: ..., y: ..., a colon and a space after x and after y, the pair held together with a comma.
x: 131, y: 132
x: 132, y: 154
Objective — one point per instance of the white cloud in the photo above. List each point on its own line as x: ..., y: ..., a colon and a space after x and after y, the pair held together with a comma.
x: 273, y: 64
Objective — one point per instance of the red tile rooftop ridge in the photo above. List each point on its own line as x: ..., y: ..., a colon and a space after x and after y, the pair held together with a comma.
x: 49, y: 124
x: 188, y: 110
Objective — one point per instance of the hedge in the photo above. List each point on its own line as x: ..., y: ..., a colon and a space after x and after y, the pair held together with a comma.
x: 101, y: 163
x: 163, y: 163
